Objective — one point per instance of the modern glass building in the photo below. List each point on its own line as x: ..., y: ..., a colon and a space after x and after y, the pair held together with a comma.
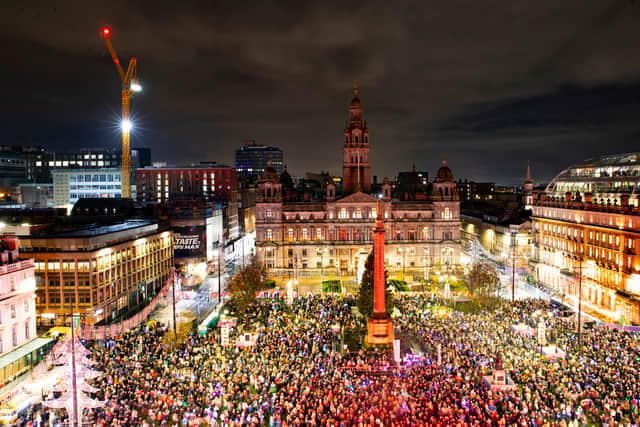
x: 607, y: 178
x: 252, y: 160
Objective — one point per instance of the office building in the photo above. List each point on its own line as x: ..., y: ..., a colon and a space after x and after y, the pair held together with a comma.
x: 198, y: 230
x: 251, y: 160
x: 586, y: 226
x: 210, y: 182
x: 69, y: 185
x: 102, y: 272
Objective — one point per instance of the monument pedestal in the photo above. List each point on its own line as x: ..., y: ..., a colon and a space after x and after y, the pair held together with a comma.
x: 379, y: 331
x: 499, y: 380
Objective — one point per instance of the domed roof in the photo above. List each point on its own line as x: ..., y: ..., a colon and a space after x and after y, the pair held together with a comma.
x: 285, y: 178
x: 444, y: 173
x: 270, y: 173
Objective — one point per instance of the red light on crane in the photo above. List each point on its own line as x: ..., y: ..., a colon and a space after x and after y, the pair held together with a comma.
x: 106, y: 31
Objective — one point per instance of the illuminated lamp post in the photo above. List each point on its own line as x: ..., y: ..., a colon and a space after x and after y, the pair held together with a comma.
x: 403, y: 251
x: 513, y: 265
x: 216, y: 253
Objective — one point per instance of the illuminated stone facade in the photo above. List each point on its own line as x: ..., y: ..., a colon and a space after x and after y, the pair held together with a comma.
x: 100, y: 272
x: 333, y: 236
x: 17, y: 298
x: 588, y: 221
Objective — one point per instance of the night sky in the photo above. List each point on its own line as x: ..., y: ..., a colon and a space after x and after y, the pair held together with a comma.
x: 488, y: 84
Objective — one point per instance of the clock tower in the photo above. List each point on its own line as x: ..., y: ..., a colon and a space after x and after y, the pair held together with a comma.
x: 356, y: 171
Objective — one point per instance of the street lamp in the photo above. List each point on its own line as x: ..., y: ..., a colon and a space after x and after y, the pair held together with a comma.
x: 403, y: 251
x: 216, y: 253
x: 321, y: 253
x: 513, y: 265
x: 589, y: 263
x: 426, y: 266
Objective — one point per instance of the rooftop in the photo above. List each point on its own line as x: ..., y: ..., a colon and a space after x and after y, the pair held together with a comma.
x: 610, y: 160
x: 211, y: 165
x: 610, y: 174
x: 95, y: 230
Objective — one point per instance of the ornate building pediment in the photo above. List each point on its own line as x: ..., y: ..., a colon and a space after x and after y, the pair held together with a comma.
x: 358, y: 197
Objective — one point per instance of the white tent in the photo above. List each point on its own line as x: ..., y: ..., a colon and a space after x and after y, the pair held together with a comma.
x: 523, y: 329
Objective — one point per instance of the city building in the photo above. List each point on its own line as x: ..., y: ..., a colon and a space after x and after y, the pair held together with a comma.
x: 102, y: 272
x: 211, y: 182
x: 413, y: 185
x: 35, y: 195
x: 13, y: 169
x: 499, y: 241
x: 140, y: 158
x: 471, y: 190
x: 69, y: 185
x: 356, y: 170
x: 42, y: 163
x: 247, y: 210
x: 198, y: 230
x: 19, y: 346
x: 586, y: 226
x: 333, y: 235
x: 251, y: 160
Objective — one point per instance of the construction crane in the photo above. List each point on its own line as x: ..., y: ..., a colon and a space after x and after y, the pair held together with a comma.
x: 130, y: 85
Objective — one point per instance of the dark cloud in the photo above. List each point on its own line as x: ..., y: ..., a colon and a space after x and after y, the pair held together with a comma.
x: 488, y: 84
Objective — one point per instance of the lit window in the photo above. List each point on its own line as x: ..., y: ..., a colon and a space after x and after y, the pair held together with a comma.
x: 305, y: 234
x: 269, y: 213
x: 269, y: 234
x: 446, y: 215
x: 343, y: 214
x: 290, y: 233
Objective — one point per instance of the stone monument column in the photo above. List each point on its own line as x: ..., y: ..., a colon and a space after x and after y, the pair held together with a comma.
x: 380, y: 325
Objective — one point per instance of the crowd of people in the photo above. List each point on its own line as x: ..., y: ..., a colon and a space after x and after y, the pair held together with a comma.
x: 299, y: 374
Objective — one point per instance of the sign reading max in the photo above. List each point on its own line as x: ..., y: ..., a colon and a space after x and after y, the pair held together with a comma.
x: 189, y: 241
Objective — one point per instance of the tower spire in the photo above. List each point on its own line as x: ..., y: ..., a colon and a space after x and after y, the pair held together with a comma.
x: 528, y: 172
x: 355, y: 88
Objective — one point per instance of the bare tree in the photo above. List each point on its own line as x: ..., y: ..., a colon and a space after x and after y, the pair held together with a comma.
x: 245, y: 286
x: 483, y: 281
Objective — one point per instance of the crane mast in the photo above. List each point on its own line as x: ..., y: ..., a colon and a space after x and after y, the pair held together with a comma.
x: 129, y: 86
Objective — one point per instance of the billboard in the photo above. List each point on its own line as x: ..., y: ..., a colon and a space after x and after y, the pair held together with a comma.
x: 190, y: 241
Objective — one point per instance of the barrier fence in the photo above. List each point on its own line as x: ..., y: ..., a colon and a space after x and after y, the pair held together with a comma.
x: 92, y: 332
